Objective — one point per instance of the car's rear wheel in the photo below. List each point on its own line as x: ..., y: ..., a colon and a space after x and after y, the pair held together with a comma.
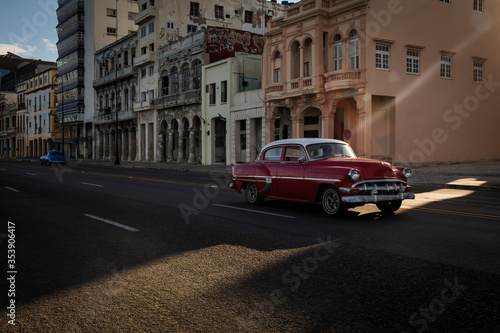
x: 389, y: 206
x: 252, y: 194
x: 331, y: 202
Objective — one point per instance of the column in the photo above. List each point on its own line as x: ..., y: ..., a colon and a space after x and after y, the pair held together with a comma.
x: 170, y: 155
x: 111, y: 144
x: 161, y: 147
x: 124, y: 145
x: 180, y: 156
x: 192, y: 157
x: 132, y: 145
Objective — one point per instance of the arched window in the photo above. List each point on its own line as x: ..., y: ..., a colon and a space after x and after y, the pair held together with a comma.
x: 307, y: 61
x: 277, y: 55
x: 354, y: 49
x: 164, y: 83
x: 197, y: 74
x: 337, y: 52
x: 175, y: 80
x: 185, y: 77
x: 295, y: 63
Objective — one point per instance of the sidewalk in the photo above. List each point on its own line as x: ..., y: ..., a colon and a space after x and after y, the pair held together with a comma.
x: 470, y: 176
x: 483, y: 176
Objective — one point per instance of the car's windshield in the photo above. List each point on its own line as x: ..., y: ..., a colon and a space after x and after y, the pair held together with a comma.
x: 329, y: 150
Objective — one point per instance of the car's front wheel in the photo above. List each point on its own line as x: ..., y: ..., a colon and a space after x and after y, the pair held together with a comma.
x: 331, y: 202
x: 389, y: 206
x: 252, y: 194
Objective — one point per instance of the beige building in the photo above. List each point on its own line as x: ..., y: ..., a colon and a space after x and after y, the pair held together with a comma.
x: 410, y: 81
x: 38, y: 129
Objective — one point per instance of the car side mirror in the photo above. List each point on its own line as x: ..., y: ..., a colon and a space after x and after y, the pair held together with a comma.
x: 302, y: 160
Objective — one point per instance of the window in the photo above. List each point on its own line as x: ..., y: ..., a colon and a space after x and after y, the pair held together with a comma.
x: 131, y: 16
x: 273, y: 154
x: 111, y: 31
x: 144, y: 50
x: 223, y: 92
x: 143, y: 96
x: 151, y: 95
x: 479, y: 5
x: 412, y: 62
x: 175, y: 80
x: 151, y: 27
x: 354, y: 49
x: 248, y: 16
x: 446, y: 63
x: 277, y: 75
x: 478, y: 71
x: 211, y: 91
x: 151, y: 70
x: 152, y: 47
x: 143, y: 31
x: 170, y: 25
x: 111, y: 12
x: 293, y: 154
x: 185, y: 77
x: 337, y: 52
x: 125, y: 58
x: 191, y: 28
x: 143, y: 73
x: 445, y: 1
x: 197, y: 74
x: 219, y: 12
x: 382, y: 53
x: 194, y: 9
x: 306, y: 69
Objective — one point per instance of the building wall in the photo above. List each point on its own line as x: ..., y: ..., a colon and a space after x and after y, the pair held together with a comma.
x: 217, y: 142
x: 392, y: 114
x: 439, y: 119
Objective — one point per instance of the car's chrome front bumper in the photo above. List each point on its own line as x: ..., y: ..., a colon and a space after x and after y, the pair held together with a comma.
x: 377, y: 198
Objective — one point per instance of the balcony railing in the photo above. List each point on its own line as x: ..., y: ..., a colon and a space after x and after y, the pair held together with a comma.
x: 143, y: 15
x: 181, y: 98
x: 111, y: 77
x: 111, y: 117
x: 353, y: 78
x: 305, y: 6
x: 145, y: 59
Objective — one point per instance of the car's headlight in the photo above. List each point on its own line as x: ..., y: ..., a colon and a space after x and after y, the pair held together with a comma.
x: 407, y: 173
x: 353, y: 174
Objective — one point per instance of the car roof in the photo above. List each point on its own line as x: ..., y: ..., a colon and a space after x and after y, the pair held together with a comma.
x: 301, y: 141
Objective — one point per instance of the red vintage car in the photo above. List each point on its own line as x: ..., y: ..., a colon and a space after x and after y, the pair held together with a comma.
x: 321, y: 170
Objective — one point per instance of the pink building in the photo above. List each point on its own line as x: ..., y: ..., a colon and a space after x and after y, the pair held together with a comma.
x: 412, y: 81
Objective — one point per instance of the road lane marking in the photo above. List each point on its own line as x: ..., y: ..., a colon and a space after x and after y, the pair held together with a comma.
x: 31, y: 174
x: 255, y: 211
x: 90, y: 184
x: 116, y: 224
x: 12, y: 189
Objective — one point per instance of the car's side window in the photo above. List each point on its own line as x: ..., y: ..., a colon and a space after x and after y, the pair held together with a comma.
x: 293, y: 154
x: 273, y: 154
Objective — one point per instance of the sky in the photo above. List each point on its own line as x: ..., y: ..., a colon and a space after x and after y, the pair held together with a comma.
x: 28, y: 28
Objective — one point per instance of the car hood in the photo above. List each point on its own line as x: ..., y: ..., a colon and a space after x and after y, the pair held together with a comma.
x: 369, y: 169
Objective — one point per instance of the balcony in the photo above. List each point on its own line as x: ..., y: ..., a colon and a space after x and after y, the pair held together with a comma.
x: 149, y: 57
x: 111, y: 117
x: 182, y: 98
x: 111, y: 78
x: 145, y: 14
x: 354, y: 78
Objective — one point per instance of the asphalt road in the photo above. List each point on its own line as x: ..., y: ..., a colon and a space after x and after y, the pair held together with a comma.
x: 117, y: 250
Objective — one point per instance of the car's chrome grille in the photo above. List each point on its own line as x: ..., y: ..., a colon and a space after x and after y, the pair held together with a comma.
x: 382, y: 186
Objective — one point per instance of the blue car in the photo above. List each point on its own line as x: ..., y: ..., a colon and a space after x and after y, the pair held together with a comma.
x: 53, y: 156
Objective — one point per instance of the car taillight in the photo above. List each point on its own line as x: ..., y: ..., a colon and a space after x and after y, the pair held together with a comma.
x: 408, y: 188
